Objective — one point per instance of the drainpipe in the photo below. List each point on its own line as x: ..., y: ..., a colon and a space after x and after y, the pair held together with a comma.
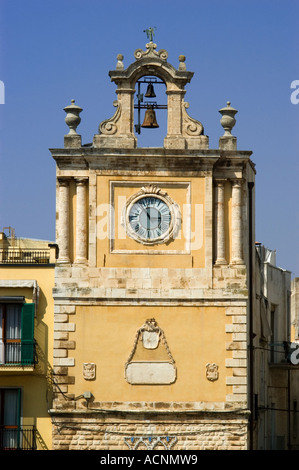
x: 251, y: 336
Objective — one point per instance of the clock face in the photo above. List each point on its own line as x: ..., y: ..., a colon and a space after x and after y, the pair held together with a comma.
x: 150, y: 218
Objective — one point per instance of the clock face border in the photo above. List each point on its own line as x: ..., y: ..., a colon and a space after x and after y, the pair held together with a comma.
x: 175, y: 217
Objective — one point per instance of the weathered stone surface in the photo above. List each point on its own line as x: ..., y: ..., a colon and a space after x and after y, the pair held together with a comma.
x: 94, y: 432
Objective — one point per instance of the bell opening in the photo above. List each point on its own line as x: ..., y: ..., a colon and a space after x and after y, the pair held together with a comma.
x: 150, y: 103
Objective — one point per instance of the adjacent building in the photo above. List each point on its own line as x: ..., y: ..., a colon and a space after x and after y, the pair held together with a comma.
x: 274, y: 381
x: 26, y: 341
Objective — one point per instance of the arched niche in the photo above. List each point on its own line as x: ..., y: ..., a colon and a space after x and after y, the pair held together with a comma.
x: 182, y: 130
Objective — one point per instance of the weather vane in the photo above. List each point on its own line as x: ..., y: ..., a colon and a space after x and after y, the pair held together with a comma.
x: 150, y: 33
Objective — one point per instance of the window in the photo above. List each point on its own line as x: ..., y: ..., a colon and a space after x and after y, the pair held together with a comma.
x: 10, y: 405
x: 14, y: 435
x: 16, y: 334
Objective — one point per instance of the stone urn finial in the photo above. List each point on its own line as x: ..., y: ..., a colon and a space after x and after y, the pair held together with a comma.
x: 120, y: 64
x: 72, y: 118
x: 228, y: 119
x: 182, y: 65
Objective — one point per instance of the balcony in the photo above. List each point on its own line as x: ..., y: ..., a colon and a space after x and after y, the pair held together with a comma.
x: 25, y: 256
x: 17, y: 353
x: 17, y: 438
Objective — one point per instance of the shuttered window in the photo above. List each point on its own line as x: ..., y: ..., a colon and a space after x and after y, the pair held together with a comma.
x: 27, y: 332
x: 10, y: 407
x: 17, y: 333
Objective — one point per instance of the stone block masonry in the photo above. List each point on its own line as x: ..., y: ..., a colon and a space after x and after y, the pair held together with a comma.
x: 180, y: 431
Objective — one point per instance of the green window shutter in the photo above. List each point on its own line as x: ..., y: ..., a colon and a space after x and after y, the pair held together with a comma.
x: 27, y: 334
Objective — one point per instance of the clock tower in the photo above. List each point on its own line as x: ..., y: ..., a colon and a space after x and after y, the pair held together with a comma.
x: 152, y: 284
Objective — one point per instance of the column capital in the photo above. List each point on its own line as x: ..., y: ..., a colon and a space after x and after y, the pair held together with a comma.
x: 64, y: 180
x: 175, y: 92
x: 237, y: 181
x: 219, y: 181
x: 81, y: 180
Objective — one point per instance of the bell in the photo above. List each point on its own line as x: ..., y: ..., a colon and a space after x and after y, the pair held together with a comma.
x: 150, y: 119
x: 150, y: 92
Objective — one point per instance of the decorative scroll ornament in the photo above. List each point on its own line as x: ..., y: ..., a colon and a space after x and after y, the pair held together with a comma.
x: 152, y: 189
x: 109, y: 127
x: 151, y: 52
x: 212, y: 372
x: 158, y: 372
x: 191, y: 127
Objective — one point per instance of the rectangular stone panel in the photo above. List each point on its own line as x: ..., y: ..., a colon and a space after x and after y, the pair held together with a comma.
x: 150, y: 373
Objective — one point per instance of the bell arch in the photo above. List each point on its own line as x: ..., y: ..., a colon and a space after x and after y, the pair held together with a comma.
x: 182, y: 130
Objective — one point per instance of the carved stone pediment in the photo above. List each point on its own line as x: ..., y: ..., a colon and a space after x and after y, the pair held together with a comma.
x: 151, y: 52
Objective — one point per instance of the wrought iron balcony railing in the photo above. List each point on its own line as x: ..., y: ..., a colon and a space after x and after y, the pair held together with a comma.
x: 17, y: 353
x: 24, y: 256
x: 17, y: 438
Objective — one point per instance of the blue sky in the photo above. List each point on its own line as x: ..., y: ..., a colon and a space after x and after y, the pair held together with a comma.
x: 242, y: 51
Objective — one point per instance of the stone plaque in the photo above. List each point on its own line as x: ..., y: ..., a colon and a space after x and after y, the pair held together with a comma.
x: 89, y: 370
x: 150, y: 339
x: 150, y: 373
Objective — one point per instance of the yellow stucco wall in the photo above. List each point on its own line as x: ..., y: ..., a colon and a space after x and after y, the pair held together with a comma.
x: 105, y: 336
x: 35, y: 385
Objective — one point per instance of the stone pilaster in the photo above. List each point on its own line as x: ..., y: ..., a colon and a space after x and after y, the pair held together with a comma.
x: 81, y: 221
x: 174, y: 138
x: 237, y: 252
x: 220, y: 228
x: 63, y: 221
